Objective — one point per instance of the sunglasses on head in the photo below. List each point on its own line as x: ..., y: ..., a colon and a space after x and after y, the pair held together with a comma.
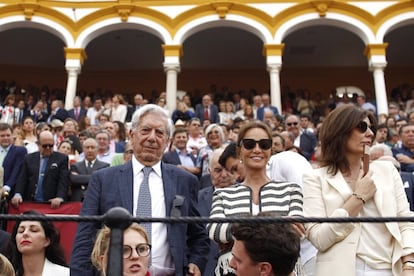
x: 363, y: 126
x: 292, y: 124
x: 250, y: 144
x: 47, y: 146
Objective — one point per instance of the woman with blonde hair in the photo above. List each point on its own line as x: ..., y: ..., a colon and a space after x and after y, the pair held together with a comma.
x: 6, y: 268
x: 135, y: 251
x: 27, y: 137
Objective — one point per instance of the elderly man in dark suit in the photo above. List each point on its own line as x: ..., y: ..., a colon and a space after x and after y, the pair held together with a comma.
x: 207, y: 111
x: 11, y: 158
x: 220, y: 178
x: 80, y: 172
x: 57, y: 111
x: 177, y: 249
x: 44, y: 175
x: 304, y: 139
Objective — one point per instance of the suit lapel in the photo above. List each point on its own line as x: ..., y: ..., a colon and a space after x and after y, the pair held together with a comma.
x: 170, y: 189
x: 125, y: 183
x: 176, y: 157
x: 338, y: 183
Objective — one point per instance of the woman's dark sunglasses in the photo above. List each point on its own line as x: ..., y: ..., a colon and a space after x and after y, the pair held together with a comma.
x: 363, y: 126
x: 250, y: 144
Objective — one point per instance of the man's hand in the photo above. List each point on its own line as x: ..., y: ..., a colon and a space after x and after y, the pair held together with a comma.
x: 55, y: 202
x: 16, y: 200
x: 193, y: 270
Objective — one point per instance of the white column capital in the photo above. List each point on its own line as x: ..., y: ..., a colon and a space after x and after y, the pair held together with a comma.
x: 172, y: 67
x: 274, y: 67
x: 73, y: 66
x: 73, y: 71
x: 377, y: 65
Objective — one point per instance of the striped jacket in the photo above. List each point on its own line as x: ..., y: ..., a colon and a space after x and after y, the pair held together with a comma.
x: 284, y: 198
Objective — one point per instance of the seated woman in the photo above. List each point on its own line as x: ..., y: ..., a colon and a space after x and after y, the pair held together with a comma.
x: 136, y: 251
x: 34, y: 248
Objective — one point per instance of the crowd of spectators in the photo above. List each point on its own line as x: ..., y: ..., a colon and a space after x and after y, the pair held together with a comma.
x: 60, y: 149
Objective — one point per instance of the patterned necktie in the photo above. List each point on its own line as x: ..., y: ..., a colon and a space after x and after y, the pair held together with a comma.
x: 39, y: 189
x: 76, y: 114
x: 144, y: 201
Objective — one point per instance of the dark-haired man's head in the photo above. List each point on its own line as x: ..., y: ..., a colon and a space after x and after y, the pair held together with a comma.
x: 229, y: 159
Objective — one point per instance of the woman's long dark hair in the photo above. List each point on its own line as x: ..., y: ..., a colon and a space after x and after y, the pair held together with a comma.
x: 53, y: 252
x: 335, y: 132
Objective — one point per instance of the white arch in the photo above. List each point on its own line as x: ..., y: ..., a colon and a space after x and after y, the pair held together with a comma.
x: 116, y: 23
x: 231, y: 20
x: 393, y: 23
x: 331, y: 19
x: 40, y: 23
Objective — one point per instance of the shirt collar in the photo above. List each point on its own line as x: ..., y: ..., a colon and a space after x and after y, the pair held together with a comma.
x: 179, y: 152
x: 138, y: 166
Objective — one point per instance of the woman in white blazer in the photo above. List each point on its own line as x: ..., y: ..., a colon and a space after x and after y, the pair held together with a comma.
x: 341, y: 188
x: 35, y: 249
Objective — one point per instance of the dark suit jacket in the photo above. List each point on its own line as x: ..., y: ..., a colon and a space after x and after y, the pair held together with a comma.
x: 12, y: 164
x: 38, y: 117
x: 205, y: 197
x: 214, y: 117
x: 171, y: 157
x: 55, y: 181
x: 82, y: 113
x: 113, y: 187
x: 260, y: 111
x: 408, y: 182
x: 308, y: 143
x: 4, y: 240
x: 82, y: 177
x: 61, y: 114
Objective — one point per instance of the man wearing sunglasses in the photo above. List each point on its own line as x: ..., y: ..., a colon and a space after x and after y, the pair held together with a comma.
x: 305, y: 140
x: 44, y: 176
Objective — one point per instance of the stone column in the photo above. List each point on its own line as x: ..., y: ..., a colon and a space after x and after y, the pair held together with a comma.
x: 74, y: 61
x: 172, y: 54
x: 273, y: 53
x: 377, y: 61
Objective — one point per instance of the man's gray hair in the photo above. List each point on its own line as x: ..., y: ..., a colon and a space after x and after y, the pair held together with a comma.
x: 151, y: 109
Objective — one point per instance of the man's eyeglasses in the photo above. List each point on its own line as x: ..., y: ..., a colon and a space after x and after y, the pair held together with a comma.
x: 47, y: 146
x: 250, y: 144
x: 142, y: 249
x: 292, y: 124
x: 363, y: 126
x: 129, y: 152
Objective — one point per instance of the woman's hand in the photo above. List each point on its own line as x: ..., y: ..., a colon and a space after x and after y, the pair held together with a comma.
x: 365, y: 187
x: 300, y: 229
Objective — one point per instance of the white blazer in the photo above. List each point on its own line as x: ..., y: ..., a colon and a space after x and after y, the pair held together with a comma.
x: 324, y: 195
x: 51, y: 269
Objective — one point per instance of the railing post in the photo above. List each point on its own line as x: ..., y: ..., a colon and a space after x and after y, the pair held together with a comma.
x: 118, y: 219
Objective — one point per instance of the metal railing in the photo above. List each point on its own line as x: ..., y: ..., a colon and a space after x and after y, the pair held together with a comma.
x: 118, y: 219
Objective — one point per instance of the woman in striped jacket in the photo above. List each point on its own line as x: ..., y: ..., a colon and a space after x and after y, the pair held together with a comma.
x: 256, y: 194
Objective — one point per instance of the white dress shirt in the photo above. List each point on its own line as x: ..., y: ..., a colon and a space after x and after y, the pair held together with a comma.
x: 162, y: 262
